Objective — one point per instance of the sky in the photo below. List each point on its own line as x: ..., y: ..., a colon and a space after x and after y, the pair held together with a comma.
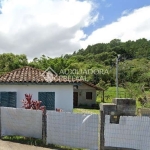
x: 58, y: 27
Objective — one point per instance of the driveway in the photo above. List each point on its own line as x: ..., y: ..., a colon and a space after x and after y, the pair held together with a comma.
x: 6, y: 145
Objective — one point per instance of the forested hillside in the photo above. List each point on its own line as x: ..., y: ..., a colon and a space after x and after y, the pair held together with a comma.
x: 134, y: 65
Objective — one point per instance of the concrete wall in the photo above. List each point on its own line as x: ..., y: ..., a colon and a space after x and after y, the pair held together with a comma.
x: 132, y: 132
x: 21, y: 122
x: 73, y: 130
x: 82, y: 89
x: 143, y: 112
x: 63, y: 93
x: 119, y: 131
x: 125, y: 106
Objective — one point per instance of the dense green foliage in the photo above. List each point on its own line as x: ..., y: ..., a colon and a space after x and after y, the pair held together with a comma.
x: 134, y: 65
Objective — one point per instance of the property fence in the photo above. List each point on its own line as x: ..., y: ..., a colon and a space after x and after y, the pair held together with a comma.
x: 131, y: 132
x: 73, y: 130
x: 21, y: 122
x: 123, y: 128
x: 112, y: 131
x: 59, y: 128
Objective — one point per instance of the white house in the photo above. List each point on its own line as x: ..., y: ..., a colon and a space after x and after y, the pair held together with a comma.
x: 27, y: 80
x: 85, y: 94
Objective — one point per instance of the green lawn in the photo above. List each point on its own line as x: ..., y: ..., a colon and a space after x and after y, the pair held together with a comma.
x: 85, y: 111
x: 110, y: 93
x: 35, y: 142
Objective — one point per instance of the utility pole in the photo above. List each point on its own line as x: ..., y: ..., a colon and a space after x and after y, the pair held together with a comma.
x: 117, y: 61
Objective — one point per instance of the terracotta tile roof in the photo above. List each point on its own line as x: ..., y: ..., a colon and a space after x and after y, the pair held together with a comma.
x: 94, y: 86
x: 30, y: 75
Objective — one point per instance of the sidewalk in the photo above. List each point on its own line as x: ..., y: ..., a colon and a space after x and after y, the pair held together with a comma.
x: 6, y: 145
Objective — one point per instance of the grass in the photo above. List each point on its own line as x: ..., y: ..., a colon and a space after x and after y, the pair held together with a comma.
x: 35, y: 142
x: 85, y: 111
x: 110, y: 93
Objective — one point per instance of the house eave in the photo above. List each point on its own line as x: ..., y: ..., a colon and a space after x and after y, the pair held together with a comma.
x: 40, y: 83
x: 94, y: 86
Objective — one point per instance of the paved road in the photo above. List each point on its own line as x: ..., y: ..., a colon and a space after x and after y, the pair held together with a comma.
x: 6, y: 145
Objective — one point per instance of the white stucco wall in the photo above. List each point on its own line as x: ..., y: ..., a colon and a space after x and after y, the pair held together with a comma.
x: 73, y: 130
x: 63, y: 93
x: 82, y: 98
x: 131, y: 132
x: 22, y: 122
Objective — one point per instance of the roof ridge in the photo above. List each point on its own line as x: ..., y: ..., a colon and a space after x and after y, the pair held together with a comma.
x: 22, y: 68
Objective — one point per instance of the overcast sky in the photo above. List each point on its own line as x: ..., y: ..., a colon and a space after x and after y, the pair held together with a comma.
x: 58, y: 27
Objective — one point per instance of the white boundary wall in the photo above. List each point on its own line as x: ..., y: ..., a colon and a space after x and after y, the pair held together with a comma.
x: 131, y: 132
x: 74, y: 130
x: 22, y: 122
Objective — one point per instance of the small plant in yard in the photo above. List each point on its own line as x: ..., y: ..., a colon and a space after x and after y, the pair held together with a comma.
x: 35, y: 142
x: 28, y: 103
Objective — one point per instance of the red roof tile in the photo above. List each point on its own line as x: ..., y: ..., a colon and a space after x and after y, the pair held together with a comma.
x: 94, y: 86
x: 28, y: 74
x: 32, y: 75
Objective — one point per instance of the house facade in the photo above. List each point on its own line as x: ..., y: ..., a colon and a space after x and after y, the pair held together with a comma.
x: 27, y: 80
x: 85, y: 94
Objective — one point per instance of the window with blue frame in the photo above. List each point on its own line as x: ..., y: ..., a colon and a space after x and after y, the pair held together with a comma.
x: 8, y: 99
x: 48, y: 99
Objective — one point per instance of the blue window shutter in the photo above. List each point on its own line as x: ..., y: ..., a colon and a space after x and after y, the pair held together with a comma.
x: 4, y: 99
x: 0, y: 99
x: 12, y: 99
x: 42, y: 97
x: 48, y: 99
x: 8, y: 99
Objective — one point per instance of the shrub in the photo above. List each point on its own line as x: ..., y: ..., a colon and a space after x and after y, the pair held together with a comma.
x: 28, y: 103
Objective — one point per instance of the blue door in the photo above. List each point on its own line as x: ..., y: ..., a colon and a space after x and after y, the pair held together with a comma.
x: 48, y: 99
x: 8, y: 99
